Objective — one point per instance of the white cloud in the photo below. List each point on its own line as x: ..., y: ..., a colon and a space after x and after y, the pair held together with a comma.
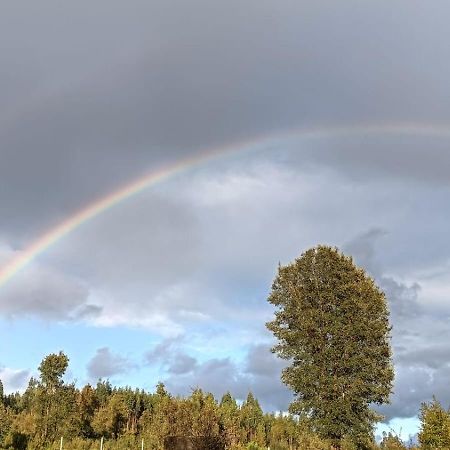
x: 14, y: 379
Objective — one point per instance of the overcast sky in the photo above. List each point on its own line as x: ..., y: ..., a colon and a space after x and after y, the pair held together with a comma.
x: 172, y: 284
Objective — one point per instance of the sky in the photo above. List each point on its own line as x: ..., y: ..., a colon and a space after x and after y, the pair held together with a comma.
x: 312, y: 122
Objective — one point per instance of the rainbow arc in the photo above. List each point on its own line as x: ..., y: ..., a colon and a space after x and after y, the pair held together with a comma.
x: 25, y: 257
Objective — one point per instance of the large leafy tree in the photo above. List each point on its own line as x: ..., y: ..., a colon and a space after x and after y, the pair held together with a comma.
x: 332, y: 324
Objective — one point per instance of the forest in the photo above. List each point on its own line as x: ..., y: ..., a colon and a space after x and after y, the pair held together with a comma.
x: 51, y: 409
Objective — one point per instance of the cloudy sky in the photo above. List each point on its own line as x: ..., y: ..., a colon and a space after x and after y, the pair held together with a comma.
x: 172, y: 284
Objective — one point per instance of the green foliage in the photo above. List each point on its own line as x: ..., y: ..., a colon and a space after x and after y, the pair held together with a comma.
x: 87, y: 404
x: 103, y: 391
x: 161, y: 390
x: 5, y: 422
x: 435, y: 426
x: 36, y: 420
x: 51, y: 404
x: 332, y: 322
x: 50, y: 409
x: 252, y: 421
x: 391, y: 442
x: 52, y: 369
x: 253, y: 446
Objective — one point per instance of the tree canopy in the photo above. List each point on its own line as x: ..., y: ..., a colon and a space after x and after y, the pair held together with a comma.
x: 51, y: 408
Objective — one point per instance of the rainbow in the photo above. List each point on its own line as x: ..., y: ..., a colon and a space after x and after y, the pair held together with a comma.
x: 26, y: 256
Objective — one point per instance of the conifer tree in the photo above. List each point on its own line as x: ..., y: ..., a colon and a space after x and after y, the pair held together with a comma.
x: 435, y: 426
x: 332, y: 324
x: 229, y: 419
x: 252, y: 420
x: 87, y: 403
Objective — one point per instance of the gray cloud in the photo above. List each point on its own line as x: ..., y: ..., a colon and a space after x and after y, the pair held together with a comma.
x: 260, y: 373
x: 414, y: 386
x: 44, y: 292
x: 362, y: 249
x: 215, y: 375
x: 419, y: 335
x: 429, y: 357
x: 182, y: 364
x: 411, y: 158
x: 105, y: 364
x: 169, y: 354
x: 176, y: 80
x: 14, y: 379
x: 262, y: 362
x: 163, y: 349
x: 402, y: 298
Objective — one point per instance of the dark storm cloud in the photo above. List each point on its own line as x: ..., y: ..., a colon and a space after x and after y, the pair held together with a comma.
x: 105, y: 364
x: 192, y: 75
x: 412, y: 158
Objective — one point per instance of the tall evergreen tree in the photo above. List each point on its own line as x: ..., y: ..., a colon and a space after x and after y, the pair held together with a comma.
x: 88, y: 403
x: 252, y: 420
x: 229, y: 419
x: 332, y: 323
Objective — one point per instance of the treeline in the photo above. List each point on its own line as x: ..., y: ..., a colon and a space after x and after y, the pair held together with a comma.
x: 50, y: 409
